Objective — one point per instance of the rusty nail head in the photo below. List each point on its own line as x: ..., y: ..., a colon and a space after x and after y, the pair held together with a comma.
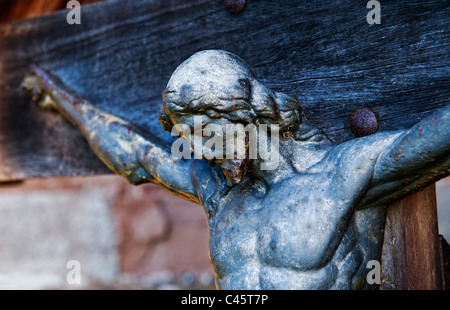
x: 363, y: 122
x: 235, y: 6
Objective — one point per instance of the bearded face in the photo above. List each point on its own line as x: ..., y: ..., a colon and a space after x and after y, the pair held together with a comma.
x: 218, y: 140
x: 211, y: 97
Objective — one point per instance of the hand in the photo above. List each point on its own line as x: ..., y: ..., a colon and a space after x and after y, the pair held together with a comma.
x: 40, y: 96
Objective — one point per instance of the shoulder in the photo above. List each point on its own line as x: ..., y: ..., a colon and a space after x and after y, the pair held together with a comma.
x: 354, y: 160
x: 366, y: 148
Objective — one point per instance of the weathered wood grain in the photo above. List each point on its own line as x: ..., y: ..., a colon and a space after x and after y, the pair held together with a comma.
x: 412, y: 249
x: 123, y: 53
x: 445, y: 262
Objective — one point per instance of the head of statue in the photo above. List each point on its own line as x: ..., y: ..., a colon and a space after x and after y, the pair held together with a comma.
x: 222, y: 89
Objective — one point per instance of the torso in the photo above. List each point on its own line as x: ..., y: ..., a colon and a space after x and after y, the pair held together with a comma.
x: 279, y: 241
x: 304, y: 232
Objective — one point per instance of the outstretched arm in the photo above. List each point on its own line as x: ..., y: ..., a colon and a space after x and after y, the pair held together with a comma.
x: 416, y: 158
x: 124, y: 147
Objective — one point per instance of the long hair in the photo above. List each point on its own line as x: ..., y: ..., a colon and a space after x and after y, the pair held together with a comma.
x: 219, y: 84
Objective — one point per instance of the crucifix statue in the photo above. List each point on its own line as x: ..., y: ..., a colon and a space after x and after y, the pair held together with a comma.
x: 294, y: 225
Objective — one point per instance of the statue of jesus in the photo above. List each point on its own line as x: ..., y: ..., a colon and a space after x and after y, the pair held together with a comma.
x: 312, y: 221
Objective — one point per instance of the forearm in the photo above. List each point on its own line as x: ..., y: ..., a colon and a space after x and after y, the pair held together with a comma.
x: 110, y: 137
x: 135, y: 157
x: 75, y: 109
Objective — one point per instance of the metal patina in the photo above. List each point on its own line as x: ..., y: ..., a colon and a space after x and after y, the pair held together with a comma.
x: 314, y: 222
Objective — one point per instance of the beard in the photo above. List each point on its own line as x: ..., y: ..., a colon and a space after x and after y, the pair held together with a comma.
x: 233, y: 169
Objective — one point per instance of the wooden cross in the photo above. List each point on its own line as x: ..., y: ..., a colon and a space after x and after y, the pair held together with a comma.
x: 325, y: 53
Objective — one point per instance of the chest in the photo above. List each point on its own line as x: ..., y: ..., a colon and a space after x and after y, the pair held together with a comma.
x: 299, y: 228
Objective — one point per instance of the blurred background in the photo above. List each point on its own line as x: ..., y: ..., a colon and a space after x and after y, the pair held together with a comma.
x: 123, y: 236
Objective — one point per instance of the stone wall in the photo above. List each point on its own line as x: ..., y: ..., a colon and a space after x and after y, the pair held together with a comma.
x: 122, y: 235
